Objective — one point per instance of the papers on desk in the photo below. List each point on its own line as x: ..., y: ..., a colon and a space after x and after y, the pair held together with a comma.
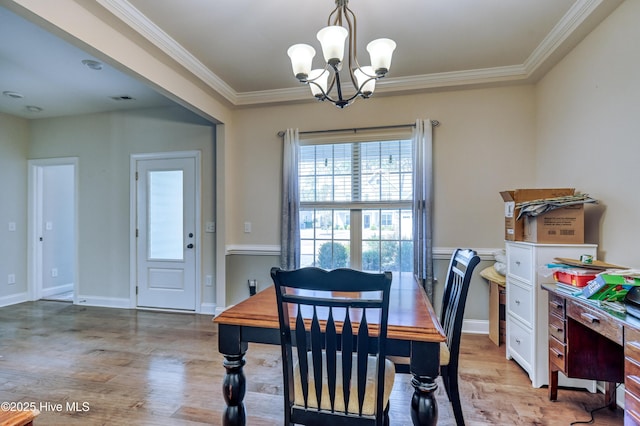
x: 614, y: 306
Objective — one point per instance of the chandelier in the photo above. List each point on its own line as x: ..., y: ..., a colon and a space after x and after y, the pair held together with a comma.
x: 341, y: 25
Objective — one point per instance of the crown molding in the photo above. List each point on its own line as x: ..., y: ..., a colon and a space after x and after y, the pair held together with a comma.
x: 154, y: 34
x: 578, y: 13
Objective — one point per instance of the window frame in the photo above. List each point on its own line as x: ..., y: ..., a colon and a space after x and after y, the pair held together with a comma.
x: 356, y: 207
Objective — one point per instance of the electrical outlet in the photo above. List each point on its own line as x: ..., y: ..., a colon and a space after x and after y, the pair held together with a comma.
x: 210, y: 227
x: 12, y: 226
x: 208, y: 281
x: 54, y: 272
x: 11, y: 279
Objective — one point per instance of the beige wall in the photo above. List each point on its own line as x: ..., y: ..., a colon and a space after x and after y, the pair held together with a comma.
x: 588, y: 130
x: 104, y: 144
x: 14, y: 138
x: 480, y: 134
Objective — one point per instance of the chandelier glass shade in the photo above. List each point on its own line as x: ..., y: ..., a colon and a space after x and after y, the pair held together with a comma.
x: 341, y: 28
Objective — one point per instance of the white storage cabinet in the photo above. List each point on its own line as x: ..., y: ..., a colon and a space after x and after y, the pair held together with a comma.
x: 527, y: 307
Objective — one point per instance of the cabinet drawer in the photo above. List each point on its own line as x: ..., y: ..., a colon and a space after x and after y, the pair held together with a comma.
x: 519, y: 262
x: 556, y: 306
x: 595, y: 320
x: 520, y: 300
x: 521, y: 342
x: 632, y: 344
x: 557, y: 328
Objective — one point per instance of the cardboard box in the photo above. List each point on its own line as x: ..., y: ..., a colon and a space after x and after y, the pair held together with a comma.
x: 559, y: 226
x: 514, y: 229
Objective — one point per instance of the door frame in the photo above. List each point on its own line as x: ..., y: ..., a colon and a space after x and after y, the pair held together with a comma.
x: 34, y: 223
x: 133, y: 221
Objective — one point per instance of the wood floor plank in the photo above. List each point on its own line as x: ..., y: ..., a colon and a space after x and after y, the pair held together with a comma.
x: 157, y: 368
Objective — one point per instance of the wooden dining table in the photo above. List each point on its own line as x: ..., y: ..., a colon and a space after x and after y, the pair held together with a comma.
x: 413, y: 331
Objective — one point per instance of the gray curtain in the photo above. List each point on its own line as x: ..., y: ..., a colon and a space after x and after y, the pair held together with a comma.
x: 290, y: 226
x: 423, y: 204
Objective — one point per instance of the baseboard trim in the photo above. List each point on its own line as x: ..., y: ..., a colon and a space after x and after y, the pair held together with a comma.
x: 105, y: 302
x: 50, y: 291
x: 14, y: 299
x: 475, y: 326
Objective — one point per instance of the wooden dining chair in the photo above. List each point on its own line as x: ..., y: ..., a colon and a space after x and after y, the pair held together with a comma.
x: 454, y: 298
x: 333, y: 330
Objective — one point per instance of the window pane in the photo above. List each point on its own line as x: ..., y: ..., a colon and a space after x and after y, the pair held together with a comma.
x: 385, y: 234
x: 165, y: 215
x: 366, y: 171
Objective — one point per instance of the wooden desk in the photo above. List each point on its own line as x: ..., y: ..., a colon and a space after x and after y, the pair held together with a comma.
x: 587, y: 342
x: 413, y: 330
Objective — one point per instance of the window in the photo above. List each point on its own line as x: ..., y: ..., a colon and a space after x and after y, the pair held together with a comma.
x: 355, y: 205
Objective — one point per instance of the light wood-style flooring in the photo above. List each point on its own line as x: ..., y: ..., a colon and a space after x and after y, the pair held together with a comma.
x: 99, y: 366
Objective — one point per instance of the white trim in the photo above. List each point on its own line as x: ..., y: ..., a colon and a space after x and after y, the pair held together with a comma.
x: 552, y: 43
x: 253, y: 250
x: 207, y: 309
x: 472, y: 326
x: 105, y: 302
x: 34, y: 274
x: 50, y: 291
x: 133, y: 267
x: 13, y: 299
x: 439, y: 253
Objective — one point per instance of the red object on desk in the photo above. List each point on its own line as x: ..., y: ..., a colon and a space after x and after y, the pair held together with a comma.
x: 575, y: 277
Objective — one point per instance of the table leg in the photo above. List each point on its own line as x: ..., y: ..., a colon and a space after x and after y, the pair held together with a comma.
x: 233, y: 391
x: 424, y: 408
x: 234, y: 384
x: 425, y: 368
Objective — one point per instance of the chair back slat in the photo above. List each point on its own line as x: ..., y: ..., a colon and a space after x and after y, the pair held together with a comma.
x: 347, y: 348
x: 340, y: 320
x: 301, y: 343
x: 363, y: 360
x: 331, y: 351
x: 316, y: 355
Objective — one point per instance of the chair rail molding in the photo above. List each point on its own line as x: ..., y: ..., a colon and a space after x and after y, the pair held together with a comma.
x: 439, y: 253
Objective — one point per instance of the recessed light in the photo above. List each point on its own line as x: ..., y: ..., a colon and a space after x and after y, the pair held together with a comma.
x: 14, y: 95
x: 33, y: 108
x: 123, y: 98
x: 94, y: 65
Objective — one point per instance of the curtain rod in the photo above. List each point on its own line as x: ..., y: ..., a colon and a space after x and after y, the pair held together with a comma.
x: 434, y: 123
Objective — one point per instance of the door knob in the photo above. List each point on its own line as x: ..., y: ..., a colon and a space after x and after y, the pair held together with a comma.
x: 189, y: 246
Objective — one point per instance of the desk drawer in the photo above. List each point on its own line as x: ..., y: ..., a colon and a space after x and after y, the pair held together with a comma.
x: 520, y: 300
x: 632, y: 377
x: 556, y: 306
x: 596, y: 320
x: 632, y: 343
x: 519, y: 262
x: 557, y: 354
x: 631, y: 409
x: 557, y: 328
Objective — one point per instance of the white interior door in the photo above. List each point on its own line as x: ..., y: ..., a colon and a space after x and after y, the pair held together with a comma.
x: 166, y: 233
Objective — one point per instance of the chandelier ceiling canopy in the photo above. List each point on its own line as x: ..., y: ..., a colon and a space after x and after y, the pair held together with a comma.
x: 341, y: 27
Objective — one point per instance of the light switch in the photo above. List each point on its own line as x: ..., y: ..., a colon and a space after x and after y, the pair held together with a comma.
x: 48, y: 226
x: 12, y: 226
x: 247, y: 227
x: 210, y: 227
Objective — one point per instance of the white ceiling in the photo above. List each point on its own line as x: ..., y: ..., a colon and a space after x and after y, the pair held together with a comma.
x: 238, y: 47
